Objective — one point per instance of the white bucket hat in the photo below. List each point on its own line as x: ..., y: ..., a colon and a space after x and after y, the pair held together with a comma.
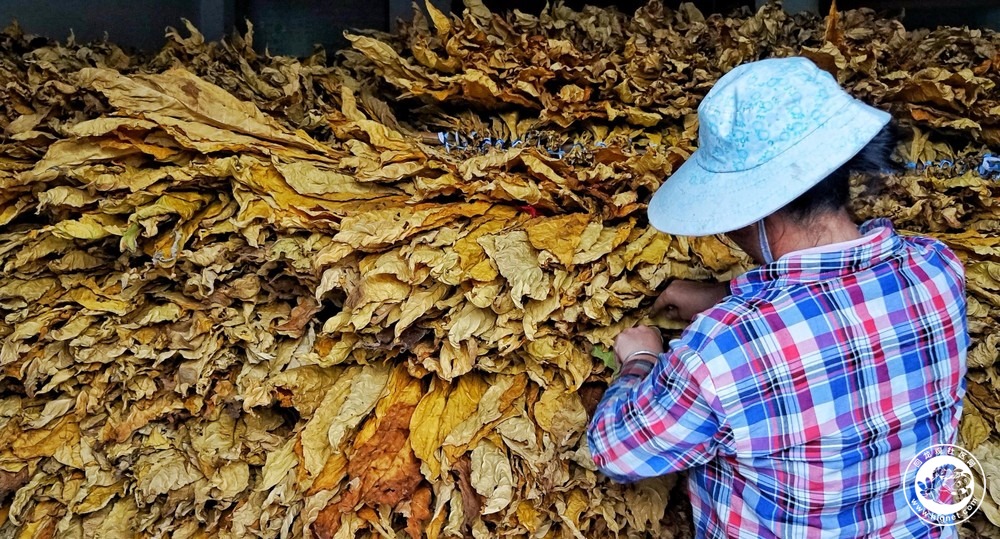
x: 768, y: 132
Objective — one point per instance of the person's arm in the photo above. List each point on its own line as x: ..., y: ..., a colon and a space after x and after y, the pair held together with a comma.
x: 683, y: 299
x: 656, y: 418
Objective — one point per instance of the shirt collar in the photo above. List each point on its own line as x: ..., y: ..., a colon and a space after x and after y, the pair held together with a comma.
x: 795, y: 268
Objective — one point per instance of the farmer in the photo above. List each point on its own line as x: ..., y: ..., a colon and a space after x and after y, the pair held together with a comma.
x: 801, y: 389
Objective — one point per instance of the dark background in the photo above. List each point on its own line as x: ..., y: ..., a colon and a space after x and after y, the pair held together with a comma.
x: 294, y: 26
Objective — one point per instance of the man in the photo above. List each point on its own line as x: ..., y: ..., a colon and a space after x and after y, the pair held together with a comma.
x: 799, y: 393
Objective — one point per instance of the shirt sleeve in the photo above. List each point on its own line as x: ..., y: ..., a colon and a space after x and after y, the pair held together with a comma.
x: 656, y: 419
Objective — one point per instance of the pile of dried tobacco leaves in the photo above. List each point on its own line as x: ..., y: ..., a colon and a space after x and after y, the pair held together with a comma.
x: 248, y: 295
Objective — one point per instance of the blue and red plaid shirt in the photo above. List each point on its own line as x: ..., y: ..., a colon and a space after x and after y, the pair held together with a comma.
x: 799, y: 400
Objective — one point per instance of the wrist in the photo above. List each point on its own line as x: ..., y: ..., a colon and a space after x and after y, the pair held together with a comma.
x: 650, y: 355
x: 638, y: 367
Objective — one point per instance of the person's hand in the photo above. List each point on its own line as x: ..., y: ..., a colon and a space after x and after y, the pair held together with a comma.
x: 684, y: 299
x: 637, y: 338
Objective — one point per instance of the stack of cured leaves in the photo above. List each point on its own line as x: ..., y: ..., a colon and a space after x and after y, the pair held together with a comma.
x: 247, y: 295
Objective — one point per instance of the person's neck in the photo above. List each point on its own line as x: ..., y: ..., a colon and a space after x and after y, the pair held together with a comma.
x: 786, y: 236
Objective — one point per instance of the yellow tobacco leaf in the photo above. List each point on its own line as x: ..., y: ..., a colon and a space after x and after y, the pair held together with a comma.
x: 383, y: 465
x: 215, y: 441
x: 89, y: 227
x: 714, y: 254
x: 400, y: 388
x: 650, y: 247
x: 495, y: 402
x: 647, y: 502
x: 574, y: 364
x: 517, y: 261
x: 333, y: 472
x: 442, y: 24
x: 306, y: 387
x: 277, y: 466
x: 317, y: 445
x: 90, y: 300
x: 53, y: 409
x: 309, y: 179
x: 178, y: 93
x: 478, y: 85
x: 377, y: 229
x: 65, y: 196
x: 119, y: 521
x: 559, y: 235
x: 971, y: 241
x: 470, y: 321
x: 641, y: 117
x: 418, y: 304
x: 528, y: 516
x: 102, y: 126
x: 47, y: 442
x: 368, y: 386
x: 985, y: 274
x: 478, y: 9
x: 537, y: 313
x: 561, y: 414
x: 597, y: 241
x: 438, y: 413
x: 431, y: 59
x: 425, y: 436
x: 379, y: 135
x: 482, y: 165
x: 98, y: 497
x: 454, y: 359
x: 349, y: 105
x: 138, y: 415
x: 572, y: 509
x: 520, y: 188
x: 974, y: 428
x: 230, y: 480
x: 28, y: 290
x: 42, y: 527
x: 73, y: 153
x: 986, y: 352
x: 397, y: 70
x: 484, y: 271
x: 542, y: 169
x: 161, y: 472
x: 391, y: 172
x: 492, y: 476
x: 470, y: 253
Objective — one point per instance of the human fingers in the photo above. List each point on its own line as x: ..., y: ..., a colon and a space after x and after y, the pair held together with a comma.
x: 638, y: 338
x: 667, y: 298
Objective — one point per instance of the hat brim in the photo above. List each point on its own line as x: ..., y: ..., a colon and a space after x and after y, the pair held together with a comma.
x: 698, y: 202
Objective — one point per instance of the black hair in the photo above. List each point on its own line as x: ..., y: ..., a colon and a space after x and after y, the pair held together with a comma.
x: 833, y: 192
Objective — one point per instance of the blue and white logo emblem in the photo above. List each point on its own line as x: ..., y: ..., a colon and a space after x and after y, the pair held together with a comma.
x: 941, y: 485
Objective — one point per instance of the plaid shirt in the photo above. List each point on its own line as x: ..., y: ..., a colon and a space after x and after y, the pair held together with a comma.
x: 798, y: 401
